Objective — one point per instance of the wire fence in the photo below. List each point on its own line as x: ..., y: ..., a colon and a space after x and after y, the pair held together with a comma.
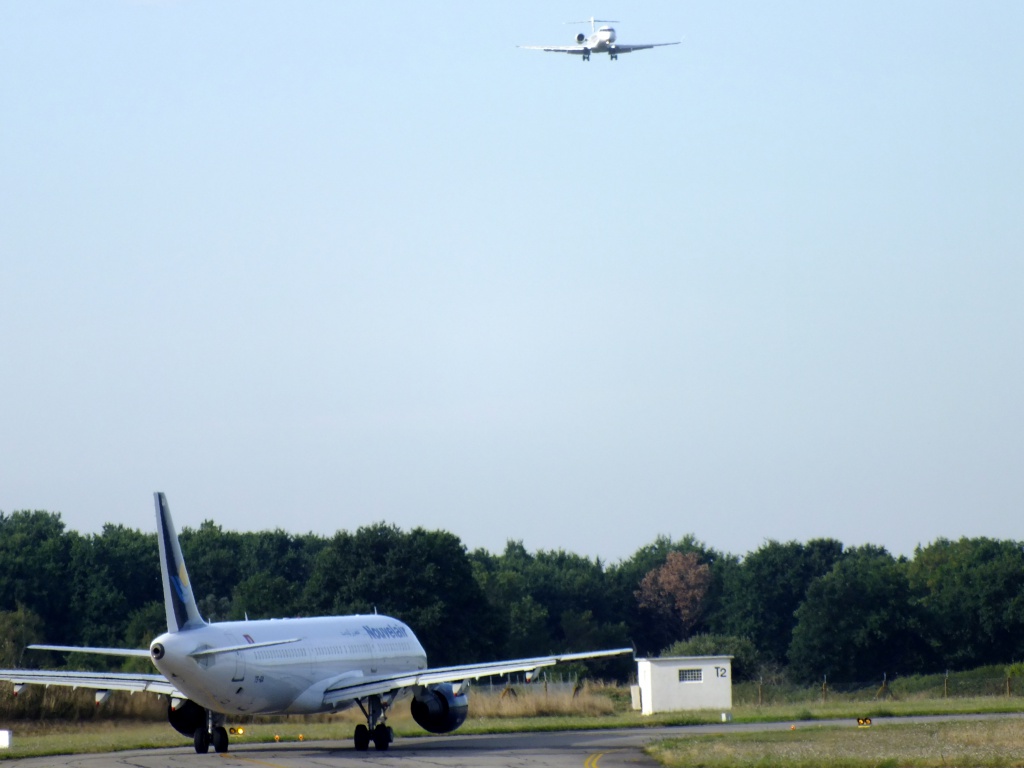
x: 910, y: 688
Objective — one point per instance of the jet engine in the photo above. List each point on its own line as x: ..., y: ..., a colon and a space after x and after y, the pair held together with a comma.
x: 439, y: 709
x: 581, y: 38
x: 186, y: 717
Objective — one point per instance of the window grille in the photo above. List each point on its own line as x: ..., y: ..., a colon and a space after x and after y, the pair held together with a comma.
x: 691, y: 675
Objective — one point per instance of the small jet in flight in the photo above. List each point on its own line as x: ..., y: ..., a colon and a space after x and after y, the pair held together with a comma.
x: 209, y: 672
x: 601, y: 40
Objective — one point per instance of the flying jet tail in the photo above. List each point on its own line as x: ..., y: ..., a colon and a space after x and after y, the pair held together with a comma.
x: 179, y: 602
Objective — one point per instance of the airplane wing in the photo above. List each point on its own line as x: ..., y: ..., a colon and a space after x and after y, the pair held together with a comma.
x: 582, y: 50
x: 348, y: 688
x: 579, y: 50
x: 102, y: 681
x: 617, y: 48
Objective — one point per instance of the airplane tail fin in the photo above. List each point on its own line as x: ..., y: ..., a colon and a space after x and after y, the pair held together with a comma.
x: 180, y: 604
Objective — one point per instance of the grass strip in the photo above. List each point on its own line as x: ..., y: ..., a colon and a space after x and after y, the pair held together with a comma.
x: 981, y: 743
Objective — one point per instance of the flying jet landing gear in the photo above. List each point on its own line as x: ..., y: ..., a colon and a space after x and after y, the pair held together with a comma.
x: 614, y: 56
x: 586, y: 54
x: 376, y: 728
x: 213, y: 733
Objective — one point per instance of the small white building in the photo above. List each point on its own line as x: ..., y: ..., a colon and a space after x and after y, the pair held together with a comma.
x: 675, y: 683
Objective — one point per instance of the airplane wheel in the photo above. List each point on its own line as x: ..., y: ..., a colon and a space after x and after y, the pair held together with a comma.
x: 362, y: 737
x: 220, y: 740
x: 201, y: 739
x: 381, y: 737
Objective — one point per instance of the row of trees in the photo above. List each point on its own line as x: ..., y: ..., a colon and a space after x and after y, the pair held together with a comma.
x: 803, y: 610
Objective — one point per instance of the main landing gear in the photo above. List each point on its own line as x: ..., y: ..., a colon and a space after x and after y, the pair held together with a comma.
x: 213, y: 733
x: 586, y: 54
x: 376, y: 728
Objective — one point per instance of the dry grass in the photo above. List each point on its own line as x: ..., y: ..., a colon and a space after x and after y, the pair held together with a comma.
x: 593, y: 699
x: 539, y: 700
x: 989, y: 743
x: 38, y: 702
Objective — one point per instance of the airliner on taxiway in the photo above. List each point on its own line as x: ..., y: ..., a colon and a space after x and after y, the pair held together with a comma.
x: 283, y: 666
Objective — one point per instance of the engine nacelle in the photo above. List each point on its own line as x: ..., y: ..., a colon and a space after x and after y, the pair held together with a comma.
x: 439, y: 709
x: 581, y: 38
x: 186, y: 717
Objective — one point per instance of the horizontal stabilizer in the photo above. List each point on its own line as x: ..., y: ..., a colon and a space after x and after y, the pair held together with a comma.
x: 82, y: 649
x: 232, y: 648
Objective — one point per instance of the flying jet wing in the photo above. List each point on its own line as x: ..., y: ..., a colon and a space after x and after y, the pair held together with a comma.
x: 579, y: 50
x: 348, y: 688
x: 103, y: 681
x: 582, y: 50
x: 616, y: 48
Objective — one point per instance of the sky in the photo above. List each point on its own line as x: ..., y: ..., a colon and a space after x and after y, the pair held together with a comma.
x: 318, y: 265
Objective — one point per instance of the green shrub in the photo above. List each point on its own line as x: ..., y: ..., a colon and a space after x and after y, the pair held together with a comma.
x: 744, y: 655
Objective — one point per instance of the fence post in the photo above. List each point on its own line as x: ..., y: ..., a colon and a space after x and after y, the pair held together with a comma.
x: 945, y: 686
x: 1008, y: 688
x: 760, y: 685
x: 824, y: 688
x: 884, y: 690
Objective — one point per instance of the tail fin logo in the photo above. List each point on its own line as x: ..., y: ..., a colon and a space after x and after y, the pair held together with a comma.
x: 179, y: 587
x: 180, y: 582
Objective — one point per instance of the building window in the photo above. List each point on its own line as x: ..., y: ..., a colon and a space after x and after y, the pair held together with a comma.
x: 691, y: 675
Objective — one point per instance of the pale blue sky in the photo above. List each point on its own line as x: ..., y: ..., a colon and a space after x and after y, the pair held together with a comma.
x: 316, y: 265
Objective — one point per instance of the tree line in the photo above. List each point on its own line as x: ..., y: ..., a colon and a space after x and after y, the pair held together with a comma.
x: 793, y: 610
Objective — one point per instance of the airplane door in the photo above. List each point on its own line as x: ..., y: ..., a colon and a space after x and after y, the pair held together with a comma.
x: 239, y: 675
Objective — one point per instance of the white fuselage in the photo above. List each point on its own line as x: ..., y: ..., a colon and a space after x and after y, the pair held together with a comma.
x: 600, y: 41
x: 287, y: 678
